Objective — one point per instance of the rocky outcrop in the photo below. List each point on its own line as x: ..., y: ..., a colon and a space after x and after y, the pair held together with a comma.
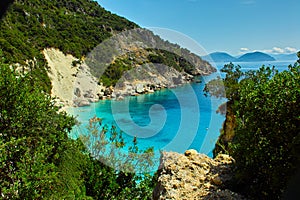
x: 194, y: 176
x: 148, y: 78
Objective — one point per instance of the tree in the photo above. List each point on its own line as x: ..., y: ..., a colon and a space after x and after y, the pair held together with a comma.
x: 114, y: 172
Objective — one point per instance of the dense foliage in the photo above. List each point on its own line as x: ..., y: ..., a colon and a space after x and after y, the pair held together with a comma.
x: 33, y: 138
x: 39, y: 161
x: 263, y: 115
x: 74, y: 27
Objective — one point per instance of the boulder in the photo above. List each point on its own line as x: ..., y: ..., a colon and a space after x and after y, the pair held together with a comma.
x: 140, y: 88
x: 120, y: 98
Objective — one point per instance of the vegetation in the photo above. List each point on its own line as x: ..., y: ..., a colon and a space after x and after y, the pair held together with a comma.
x: 33, y: 137
x: 74, y: 27
x: 115, y: 71
x: 39, y: 161
x: 171, y: 59
x: 262, y: 128
x: 125, y: 171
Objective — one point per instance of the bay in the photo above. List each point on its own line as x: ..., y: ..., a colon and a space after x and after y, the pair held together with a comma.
x: 170, y: 119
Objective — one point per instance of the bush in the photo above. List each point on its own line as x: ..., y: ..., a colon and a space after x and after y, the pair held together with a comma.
x: 266, y: 110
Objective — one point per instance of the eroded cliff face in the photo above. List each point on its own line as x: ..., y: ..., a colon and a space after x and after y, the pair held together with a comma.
x: 71, y: 85
x: 194, y: 176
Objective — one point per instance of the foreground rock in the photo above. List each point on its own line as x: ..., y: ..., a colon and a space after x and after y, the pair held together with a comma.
x: 194, y: 176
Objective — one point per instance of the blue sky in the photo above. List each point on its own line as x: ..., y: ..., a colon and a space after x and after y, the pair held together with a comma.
x: 234, y: 26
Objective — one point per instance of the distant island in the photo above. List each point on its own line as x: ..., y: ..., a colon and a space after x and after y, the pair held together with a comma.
x: 255, y: 56
x: 219, y: 57
x: 248, y: 57
x: 284, y: 57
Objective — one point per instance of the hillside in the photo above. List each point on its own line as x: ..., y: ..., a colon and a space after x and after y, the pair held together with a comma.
x: 139, y: 59
x: 76, y: 28
x: 219, y: 57
x: 254, y: 57
x: 248, y: 57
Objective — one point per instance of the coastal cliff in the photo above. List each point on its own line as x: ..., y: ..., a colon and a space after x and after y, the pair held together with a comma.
x: 73, y: 83
x: 79, y: 30
x: 138, y: 61
x: 194, y: 176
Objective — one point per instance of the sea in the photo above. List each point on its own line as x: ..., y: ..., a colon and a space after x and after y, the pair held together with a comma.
x: 174, y: 119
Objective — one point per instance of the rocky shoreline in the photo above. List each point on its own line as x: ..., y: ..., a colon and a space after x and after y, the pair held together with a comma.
x: 73, y: 85
x: 147, y: 78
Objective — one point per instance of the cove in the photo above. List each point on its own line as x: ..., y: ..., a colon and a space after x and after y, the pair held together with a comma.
x: 172, y: 110
x: 170, y: 119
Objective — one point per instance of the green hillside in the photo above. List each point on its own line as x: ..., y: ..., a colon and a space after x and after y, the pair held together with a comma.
x: 74, y: 27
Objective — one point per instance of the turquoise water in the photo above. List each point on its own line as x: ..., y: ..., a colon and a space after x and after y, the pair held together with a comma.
x: 171, y: 119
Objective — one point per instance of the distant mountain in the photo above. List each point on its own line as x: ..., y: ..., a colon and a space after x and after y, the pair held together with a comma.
x: 285, y: 57
x: 255, y: 56
x: 219, y: 57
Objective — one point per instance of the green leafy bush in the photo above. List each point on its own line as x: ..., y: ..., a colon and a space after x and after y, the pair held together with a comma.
x: 33, y: 136
x: 266, y: 134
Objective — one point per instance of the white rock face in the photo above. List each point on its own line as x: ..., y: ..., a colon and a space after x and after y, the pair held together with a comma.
x: 72, y: 85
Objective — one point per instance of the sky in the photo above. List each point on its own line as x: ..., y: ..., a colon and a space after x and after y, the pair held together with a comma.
x: 233, y: 26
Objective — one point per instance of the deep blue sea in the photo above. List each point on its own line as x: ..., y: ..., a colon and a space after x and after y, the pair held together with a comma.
x: 171, y: 119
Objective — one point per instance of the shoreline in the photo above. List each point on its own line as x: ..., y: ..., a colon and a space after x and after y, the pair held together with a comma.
x: 75, y: 86
x: 66, y: 107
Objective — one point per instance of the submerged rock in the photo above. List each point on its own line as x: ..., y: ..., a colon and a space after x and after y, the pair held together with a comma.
x: 194, y: 176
